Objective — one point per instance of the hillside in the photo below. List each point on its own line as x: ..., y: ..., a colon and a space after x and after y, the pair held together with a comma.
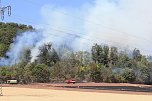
x: 7, y: 33
x: 102, y: 64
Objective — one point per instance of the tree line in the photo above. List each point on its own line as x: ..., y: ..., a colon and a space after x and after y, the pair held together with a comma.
x: 102, y: 64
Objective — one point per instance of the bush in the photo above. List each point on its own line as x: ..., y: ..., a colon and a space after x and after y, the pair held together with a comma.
x: 41, y: 73
x: 117, y: 78
x: 129, y: 75
x: 148, y: 79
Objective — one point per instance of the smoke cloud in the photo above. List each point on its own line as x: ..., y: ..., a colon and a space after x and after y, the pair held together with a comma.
x: 123, y: 23
x: 22, y: 42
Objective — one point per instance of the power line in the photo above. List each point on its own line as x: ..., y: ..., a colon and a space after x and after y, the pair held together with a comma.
x: 2, y: 12
x: 78, y: 36
x: 57, y: 29
x: 75, y: 35
x: 69, y: 30
x: 91, y: 22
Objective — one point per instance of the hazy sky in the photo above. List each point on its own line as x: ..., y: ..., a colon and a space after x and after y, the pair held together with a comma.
x: 30, y: 9
x: 124, y: 23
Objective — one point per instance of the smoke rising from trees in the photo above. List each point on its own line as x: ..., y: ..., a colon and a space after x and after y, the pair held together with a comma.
x: 120, y: 23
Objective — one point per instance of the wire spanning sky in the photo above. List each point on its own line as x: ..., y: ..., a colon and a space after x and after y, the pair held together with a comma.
x: 125, y: 23
x: 31, y: 8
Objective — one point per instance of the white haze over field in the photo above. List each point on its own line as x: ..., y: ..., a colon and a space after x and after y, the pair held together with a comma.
x: 123, y: 23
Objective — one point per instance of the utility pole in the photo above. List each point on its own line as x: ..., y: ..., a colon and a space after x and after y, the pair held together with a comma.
x: 2, y: 12
x: 4, y: 9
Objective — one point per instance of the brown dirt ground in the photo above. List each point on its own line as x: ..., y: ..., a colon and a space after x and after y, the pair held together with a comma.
x: 31, y: 94
x: 59, y: 92
x: 119, y: 88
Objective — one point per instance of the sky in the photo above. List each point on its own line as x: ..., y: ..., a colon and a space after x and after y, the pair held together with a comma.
x: 122, y: 23
x: 25, y: 10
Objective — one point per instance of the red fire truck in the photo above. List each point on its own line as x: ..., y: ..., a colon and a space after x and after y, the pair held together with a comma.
x: 68, y: 81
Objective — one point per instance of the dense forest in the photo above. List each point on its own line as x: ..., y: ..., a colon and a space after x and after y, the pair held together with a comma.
x: 102, y: 64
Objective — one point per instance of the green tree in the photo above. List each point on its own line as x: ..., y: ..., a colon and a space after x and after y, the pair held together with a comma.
x: 5, y: 74
x: 113, y: 56
x: 137, y: 55
x: 97, y: 53
x: 100, y: 54
x: 47, y: 55
x: 26, y: 56
x: 123, y: 60
x: 129, y: 75
x: 41, y: 73
x: 28, y: 77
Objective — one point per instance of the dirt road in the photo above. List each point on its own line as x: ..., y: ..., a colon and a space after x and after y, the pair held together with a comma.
x: 29, y: 94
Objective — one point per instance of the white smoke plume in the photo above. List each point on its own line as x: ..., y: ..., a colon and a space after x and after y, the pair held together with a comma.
x: 23, y: 41
x: 123, y: 23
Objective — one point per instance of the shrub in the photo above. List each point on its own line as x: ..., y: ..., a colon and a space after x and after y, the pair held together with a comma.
x: 129, y: 75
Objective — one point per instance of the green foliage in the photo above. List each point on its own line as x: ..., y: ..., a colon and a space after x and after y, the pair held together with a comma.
x: 62, y: 71
x: 123, y: 60
x: 136, y: 55
x: 3, y: 49
x: 113, y: 56
x: 26, y: 56
x: 47, y: 55
x: 103, y: 64
x: 148, y: 79
x: 129, y: 75
x: 117, y: 78
x: 65, y: 69
x: 95, y: 73
x: 5, y: 73
x: 97, y: 53
x: 41, y: 73
x: 28, y: 77
x: 8, y: 31
x: 100, y: 54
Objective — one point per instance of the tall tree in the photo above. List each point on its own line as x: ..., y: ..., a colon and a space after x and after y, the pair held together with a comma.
x: 100, y: 54
x: 26, y: 56
x: 113, y: 55
x: 47, y: 55
x: 137, y: 55
x: 106, y: 55
x: 97, y: 53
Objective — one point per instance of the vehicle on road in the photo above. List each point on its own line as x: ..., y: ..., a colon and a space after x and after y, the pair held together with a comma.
x: 70, y: 81
x: 12, y: 82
